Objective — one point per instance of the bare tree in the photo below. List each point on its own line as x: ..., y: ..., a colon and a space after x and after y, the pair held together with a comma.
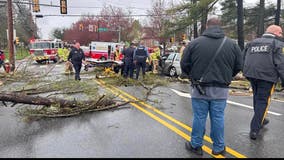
x: 156, y: 19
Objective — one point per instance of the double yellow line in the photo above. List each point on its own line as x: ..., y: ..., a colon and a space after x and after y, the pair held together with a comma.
x: 125, y: 96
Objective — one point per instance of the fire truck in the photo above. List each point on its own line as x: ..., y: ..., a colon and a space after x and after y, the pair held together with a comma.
x: 44, y: 50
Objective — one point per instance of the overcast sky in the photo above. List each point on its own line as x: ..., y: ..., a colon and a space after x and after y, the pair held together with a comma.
x: 78, y: 7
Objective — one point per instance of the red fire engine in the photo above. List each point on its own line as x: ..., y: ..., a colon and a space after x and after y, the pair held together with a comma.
x: 45, y: 50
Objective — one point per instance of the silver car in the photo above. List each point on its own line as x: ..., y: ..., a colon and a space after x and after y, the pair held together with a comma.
x: 172, y: 65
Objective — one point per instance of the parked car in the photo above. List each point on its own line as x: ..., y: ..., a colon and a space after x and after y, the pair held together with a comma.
x: 172, y: 65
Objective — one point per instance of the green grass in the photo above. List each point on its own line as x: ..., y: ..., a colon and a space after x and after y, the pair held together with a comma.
x: 21, y: 53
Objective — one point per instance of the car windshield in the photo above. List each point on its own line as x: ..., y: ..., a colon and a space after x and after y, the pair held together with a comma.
x: 41, y: 45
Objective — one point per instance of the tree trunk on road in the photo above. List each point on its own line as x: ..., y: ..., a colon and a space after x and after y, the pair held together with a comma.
x: 37, y: 100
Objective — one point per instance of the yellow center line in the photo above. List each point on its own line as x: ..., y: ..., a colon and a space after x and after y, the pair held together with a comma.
x: 208, y: 139
x: 176, y: 130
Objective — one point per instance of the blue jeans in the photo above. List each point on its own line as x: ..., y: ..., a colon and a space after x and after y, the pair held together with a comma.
x: 216, y: 108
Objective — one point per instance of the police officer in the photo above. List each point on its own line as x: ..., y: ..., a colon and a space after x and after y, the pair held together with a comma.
x: 77, y: 56
x: 140, y: 56
x: 263, y: 65
x: 128, y: 61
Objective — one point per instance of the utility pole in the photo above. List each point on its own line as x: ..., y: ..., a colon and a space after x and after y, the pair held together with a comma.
x: 119, y: 30
x: 260, y: 28
x: 31, y: 20
x: 240, y: 23
x: 10, y: 34
x: 278, y: 11
x: 98, y: 30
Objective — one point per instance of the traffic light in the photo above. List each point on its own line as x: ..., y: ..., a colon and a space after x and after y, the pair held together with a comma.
x: 36, y: 6
x: 17, y: 40
x: 63, y: 6
x: 81, y: 27
x: 183, y: 36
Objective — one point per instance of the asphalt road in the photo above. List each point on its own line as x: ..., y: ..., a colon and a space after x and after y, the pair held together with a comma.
x: 154, y: 129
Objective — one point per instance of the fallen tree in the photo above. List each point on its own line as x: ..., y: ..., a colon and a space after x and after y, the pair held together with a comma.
x: 52, y: 101
x: 57, y: 107
x: 41, y: 95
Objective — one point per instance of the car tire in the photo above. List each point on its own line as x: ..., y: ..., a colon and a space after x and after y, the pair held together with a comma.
x: 173, y: 72
x: 55, y: 60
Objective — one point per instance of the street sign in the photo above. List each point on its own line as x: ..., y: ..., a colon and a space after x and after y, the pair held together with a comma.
x: 103, y: 29
x: 39, y: 16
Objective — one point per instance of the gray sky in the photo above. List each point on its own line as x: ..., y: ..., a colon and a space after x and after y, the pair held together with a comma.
x: 77, y: 7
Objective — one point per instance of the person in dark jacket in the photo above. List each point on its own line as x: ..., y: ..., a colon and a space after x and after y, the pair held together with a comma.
x: 77, y: 57
x: 140, y: 56
x: 196, y: 57
x: 128, y: 61
x: 263, y: 66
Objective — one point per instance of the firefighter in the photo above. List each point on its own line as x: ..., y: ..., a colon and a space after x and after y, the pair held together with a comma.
x: 183, y: 45
x: 65, y: 54
x: 155, y: 59
x: 116, y: 53
x: 182, y: 76
x: 60, y: 54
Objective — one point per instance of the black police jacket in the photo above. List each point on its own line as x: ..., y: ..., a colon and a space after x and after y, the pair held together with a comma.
x: 76, y: 56
x: 264, y: 59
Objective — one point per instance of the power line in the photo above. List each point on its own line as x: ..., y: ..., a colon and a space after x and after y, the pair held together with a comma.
x: 82, y: 15
x: 21, y: 2
x: 51, y: 5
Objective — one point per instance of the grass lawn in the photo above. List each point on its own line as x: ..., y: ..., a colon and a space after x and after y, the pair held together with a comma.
x: 21, y: 53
